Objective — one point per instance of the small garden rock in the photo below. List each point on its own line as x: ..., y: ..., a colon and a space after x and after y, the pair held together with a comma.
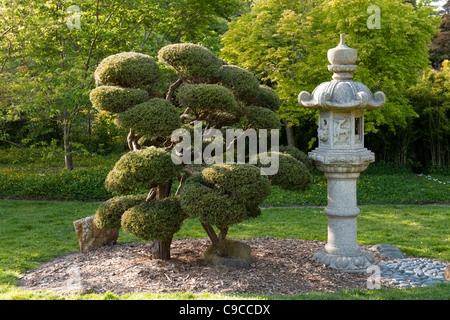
x: 239, y: 255
x: 388, y: 250
x: 90, y: 237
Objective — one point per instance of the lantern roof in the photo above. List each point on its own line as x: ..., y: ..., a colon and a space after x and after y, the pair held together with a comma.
x: 342, y: 93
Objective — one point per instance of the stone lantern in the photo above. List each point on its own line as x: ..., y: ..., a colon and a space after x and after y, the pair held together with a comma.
x: 341, y: 155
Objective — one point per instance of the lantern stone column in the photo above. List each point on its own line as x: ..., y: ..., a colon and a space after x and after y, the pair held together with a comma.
x: 341, y: 155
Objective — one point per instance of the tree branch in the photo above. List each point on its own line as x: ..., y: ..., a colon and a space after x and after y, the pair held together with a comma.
x: 130, y: 138
x: 182, y: 181
x: 172, y: 89
x: 186, y: 115
x: 151, y: 195
x: 7, y: 57
x: 211, y: 233
x: 96, y: 36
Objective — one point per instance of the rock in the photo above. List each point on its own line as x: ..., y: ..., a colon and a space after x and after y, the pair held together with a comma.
x: 388, y: 250
x: 239, y: 255
x: 447, y: 273
x: 90, y: 237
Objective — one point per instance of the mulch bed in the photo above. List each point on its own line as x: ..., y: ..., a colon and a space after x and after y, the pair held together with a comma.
x: 278, y: 266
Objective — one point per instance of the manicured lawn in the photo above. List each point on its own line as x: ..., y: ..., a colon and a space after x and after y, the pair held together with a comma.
x: 35, y: 231
x: 32, y: 232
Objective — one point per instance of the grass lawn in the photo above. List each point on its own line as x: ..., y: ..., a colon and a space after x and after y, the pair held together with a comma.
x: 32, y: 232
x: 35, y: 231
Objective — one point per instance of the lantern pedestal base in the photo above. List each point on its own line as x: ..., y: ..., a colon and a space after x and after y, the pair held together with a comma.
x: 342, y: 251
x: 357, y: 263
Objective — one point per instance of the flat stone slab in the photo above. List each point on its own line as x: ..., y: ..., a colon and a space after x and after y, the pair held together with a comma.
x: 388, y: 250
x: 90, y: 237
x: 239, y: 255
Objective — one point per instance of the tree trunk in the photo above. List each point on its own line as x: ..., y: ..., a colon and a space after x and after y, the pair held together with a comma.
x: 67, y: 146
x: 289, y: 134
x: 161, y: 248
x: 219, y: 242
x: 221, y: 247
x: 163, y: 191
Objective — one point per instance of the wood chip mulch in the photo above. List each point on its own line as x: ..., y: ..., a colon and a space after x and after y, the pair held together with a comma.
x: 278, y: 266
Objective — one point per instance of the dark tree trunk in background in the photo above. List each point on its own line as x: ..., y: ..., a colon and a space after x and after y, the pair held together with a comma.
x: 68, y: 159
x: 289, y: 134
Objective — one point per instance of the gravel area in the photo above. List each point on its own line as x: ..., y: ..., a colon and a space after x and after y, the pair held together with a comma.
x: 413, y: 272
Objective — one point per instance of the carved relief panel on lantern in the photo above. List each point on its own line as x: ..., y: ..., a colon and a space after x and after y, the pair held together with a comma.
x: 341, y: 130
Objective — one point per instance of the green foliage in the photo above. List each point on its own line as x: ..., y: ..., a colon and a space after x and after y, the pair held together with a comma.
x: 242, y: 181
x: 225, y: 194
x: 154, y: 118
x: 116, y: 99
x: 268, y: 98
x: 109, y: 214
x: 144, y: 168
x: 207, y: 98
x: 431, y: 100
x: 48, y: 64
x: 262, y: 118
x: 286, y: 42
x: 440, y: 48
x: 127, y: 69
x: 194, y: 63
x: 299, y: 155
x: 209, y: 205
x: 241, y: 82
x: 158, y: 219
x: 291, y: 175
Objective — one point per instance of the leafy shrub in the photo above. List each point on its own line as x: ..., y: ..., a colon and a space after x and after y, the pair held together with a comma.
x: 140, y: 169
x: 116, y: 99
x: 241, y: 82
x: 109, y: 214
x: 127, y: 69
x: 262, y: 118
x: 194, y: 63
x: 225, y: 194
x: 210, y: 205
x: 292, y: 174
x: 268, y: 98
x: 155, y: 118
x: 243, y: 182
x: 299, y: 155
x: 158, y: 219
x: 207, y: 97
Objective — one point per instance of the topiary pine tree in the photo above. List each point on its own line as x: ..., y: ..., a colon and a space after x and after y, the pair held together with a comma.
x: 206, y: 91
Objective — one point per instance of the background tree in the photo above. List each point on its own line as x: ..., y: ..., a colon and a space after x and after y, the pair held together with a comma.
x: 208, y: 91
x: 440, y: 48
x: 286, y: 43
x: 50, y: 59
x: 431, y: 131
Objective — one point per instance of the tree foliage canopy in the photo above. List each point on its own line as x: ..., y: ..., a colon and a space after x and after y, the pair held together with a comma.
x: 286, y: 43
x: 207, y: 91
